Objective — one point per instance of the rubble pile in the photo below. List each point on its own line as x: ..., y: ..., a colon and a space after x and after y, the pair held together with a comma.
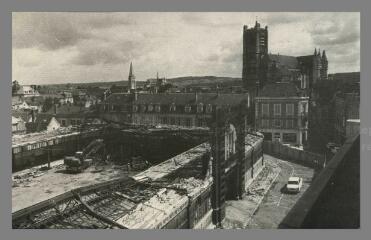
x: 147, y: 215
x: 25, y: 179
x: 193, y: 185
x: 163, y: 169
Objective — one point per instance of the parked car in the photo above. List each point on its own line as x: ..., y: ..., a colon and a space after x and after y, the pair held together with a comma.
x: 294, y: 184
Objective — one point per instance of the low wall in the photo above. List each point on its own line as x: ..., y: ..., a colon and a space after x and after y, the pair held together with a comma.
x: 288, y: 153
x: 251, y: 173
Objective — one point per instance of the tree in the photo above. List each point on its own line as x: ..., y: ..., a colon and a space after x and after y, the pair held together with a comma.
x: 48, y: 104
x: 15, y: 86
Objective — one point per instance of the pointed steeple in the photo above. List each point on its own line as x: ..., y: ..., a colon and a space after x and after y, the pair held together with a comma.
x: 315, y: 51
x: 319, y: 52
x: 157, y: 75
x: 131, y: 69
x: 131, y: 78
x: 324, y: 55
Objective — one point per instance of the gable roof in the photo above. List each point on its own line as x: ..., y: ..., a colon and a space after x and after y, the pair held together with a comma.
x: 25, y: 115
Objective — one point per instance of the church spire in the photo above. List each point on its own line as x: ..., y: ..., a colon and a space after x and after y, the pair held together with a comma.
x: 315, y: 51
x: 324, y: 55
x: 131, y: 78
x: 131, y: 69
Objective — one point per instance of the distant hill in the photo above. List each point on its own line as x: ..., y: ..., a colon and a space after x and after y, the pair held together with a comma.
x: 203, y: 80
x: 178, y: 81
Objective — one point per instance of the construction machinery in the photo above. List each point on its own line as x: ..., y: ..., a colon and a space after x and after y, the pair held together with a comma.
x: 85, y: 158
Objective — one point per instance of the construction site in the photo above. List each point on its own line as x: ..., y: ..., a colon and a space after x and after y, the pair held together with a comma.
x: 132, y: 178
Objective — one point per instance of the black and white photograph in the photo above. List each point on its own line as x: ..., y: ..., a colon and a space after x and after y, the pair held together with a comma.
x: 185, y: 120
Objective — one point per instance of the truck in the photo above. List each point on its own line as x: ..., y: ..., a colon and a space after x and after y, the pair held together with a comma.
x: 85, y: 158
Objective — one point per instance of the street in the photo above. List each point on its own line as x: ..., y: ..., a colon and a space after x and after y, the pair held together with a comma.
x: 277, y: 203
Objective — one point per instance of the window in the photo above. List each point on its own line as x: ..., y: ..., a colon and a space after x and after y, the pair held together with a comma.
x: 172, y: 107
x: 290, y: 123
x: 277, y: 123
x: 150, y: 108
x: 289, y: 137
x: 290, y: 109
x: 265, y: 123
x: 63, y: 122
x: 277, y: 109
x: 200, y: 107
x: 265, y: 109
x: 73, y: 122
x: 277, y: 136
x: 143, y: 108
x: 158, y: 108
x: 135, y: 108
x: 209, y: 108
x: 187, y: 108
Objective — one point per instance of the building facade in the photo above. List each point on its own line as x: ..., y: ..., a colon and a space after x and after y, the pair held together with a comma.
x: 281, y: 113
x: 175, y: 109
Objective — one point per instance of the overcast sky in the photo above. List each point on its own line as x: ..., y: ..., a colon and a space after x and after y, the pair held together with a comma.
x: 88, y: 47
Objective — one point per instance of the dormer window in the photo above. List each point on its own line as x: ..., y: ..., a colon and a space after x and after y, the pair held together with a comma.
x: 158, y: 108
x: 200, y: 107
x: 135, y: 108
x: 187, y: 108
x: 143, y: 108
x: 172, y: 107
x: 150, y: 108
x: 209, y: 108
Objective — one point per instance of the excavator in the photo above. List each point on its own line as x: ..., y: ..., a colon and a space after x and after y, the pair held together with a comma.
x: 85, y: 158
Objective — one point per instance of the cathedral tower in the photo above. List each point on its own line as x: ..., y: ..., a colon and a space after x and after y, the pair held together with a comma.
x: 131, y: 78
x: 255, y: 46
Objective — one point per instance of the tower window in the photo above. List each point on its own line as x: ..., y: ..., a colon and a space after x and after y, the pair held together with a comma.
x: 172, y: 107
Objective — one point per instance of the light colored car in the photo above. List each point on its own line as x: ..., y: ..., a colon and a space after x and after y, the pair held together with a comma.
x: 294, y: 184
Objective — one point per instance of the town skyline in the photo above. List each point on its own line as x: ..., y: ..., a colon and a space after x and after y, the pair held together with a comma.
x: 89, y: 47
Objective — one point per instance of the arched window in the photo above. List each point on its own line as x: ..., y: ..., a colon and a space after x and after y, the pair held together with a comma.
x: 209, y: 108
x: 187, y: 108
x: 158, y: 108
x: 172, y: 107
x: 135, y: 108
x: 230, y: 141
x: 200, y: 107
x: 150, y: 107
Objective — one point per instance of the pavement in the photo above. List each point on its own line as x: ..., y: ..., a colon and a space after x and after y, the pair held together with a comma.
x: 266, y: 203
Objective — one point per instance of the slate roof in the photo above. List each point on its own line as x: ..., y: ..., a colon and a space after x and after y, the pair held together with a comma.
x: 281, y: 89
x: 67, y: 110
x: 179, y: 98
x: 288, y: 61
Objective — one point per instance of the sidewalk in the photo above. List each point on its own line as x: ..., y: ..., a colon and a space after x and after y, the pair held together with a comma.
x: 239, y: 212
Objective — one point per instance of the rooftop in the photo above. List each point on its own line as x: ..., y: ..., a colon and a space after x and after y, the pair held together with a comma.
x: 280, y: 89
x: 19, y: 140
x: 179, y: 98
